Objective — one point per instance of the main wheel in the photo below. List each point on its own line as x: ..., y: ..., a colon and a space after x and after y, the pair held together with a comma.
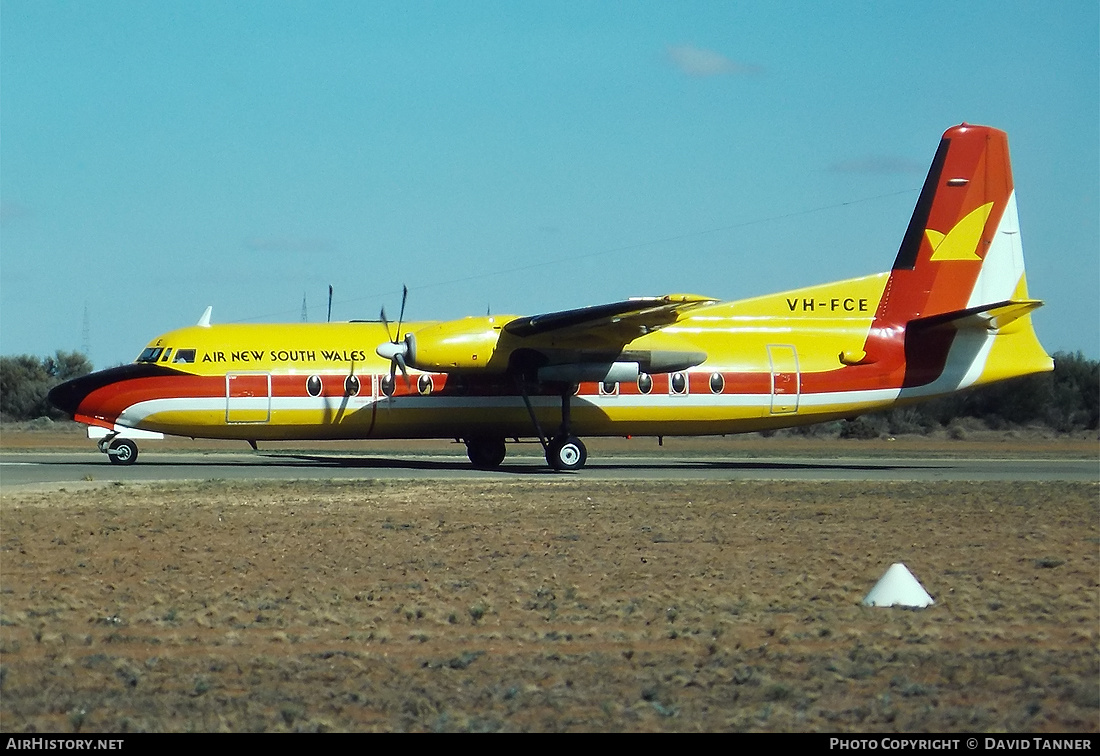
x: 486, y: 453
x: 566, y: 454
x: 122, y: 451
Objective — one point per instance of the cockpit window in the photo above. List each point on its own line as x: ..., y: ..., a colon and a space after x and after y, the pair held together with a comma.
x: 164, y: 354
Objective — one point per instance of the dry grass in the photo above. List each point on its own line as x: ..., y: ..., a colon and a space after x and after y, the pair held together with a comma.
x: 548, y: 606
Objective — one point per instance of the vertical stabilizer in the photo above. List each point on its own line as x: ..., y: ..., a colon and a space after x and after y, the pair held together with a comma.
x: 962, y: 248
x: 957, y: 289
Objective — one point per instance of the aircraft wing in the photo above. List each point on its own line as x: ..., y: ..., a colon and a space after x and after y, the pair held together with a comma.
x: 588, y: 340
x: 618, y: 321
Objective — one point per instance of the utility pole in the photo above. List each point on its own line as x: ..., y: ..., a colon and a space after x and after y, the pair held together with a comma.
x: 86, y: 334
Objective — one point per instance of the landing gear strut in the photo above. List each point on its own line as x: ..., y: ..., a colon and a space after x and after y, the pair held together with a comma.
x: 564, y: 452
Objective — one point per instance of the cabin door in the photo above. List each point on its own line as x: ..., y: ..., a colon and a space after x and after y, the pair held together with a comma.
x: 786, y: 380
x: 247, y: 397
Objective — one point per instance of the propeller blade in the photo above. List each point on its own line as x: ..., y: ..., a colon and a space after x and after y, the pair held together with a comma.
x: 386, y: 322
x: 395, y: 349
x: 399, y: 358
x: 401, y: 315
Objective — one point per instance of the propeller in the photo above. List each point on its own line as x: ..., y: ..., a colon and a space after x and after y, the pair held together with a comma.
x: 395, y: 349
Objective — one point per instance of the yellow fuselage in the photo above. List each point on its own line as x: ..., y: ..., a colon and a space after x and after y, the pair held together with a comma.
x: 790, y: 358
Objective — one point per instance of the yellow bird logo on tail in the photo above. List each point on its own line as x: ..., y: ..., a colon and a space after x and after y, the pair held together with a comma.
x: 961, y: 242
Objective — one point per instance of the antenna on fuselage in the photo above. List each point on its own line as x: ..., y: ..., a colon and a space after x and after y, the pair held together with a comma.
x: 204, y: 321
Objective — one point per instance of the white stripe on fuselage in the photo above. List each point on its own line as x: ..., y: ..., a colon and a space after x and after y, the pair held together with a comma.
x: 137, y: 414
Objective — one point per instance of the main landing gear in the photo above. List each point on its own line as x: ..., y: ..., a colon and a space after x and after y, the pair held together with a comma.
x: 486, y: 453
x: 121, y: 451
x: 564, y: 452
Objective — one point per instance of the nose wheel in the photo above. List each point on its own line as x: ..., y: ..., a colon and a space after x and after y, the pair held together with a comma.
x: 122, y: 451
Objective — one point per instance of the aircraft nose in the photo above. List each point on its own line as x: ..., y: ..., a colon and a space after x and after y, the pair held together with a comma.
x: 107, y: 385
x: 67, y: 396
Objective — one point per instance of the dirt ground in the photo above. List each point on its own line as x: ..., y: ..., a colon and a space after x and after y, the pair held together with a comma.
x: 548, y: 605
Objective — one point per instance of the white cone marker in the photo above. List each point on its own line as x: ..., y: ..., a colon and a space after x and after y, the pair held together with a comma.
x: 898, y: 587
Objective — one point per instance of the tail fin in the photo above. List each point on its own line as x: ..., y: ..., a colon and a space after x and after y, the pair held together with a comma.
x: 962, y: 248
x: 958, y: 286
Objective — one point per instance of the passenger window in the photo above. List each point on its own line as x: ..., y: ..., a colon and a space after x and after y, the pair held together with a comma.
x: 679, y: 383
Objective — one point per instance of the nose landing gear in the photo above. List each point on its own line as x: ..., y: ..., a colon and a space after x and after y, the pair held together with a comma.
x: 121, y: 451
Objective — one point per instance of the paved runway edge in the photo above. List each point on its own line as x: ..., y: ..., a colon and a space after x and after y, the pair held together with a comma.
x: 37, y: 469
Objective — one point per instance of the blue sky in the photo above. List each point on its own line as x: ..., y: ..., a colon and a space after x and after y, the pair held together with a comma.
x: 156, y: 158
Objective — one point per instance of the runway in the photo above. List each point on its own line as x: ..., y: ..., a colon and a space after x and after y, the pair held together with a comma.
x: 42, y: 469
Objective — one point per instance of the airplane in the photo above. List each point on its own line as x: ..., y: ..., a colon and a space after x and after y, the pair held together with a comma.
x: 952, y: 313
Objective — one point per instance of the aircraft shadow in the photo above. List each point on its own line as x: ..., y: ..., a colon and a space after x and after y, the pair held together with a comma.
x: 535, y: 467
x: 310, y: 460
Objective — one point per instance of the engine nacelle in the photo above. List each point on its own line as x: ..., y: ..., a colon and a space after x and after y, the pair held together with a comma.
x: 456, y: 345
x: 614, y: 372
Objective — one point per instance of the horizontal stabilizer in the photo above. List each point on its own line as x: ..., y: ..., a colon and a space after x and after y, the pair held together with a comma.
x: 992, y: 317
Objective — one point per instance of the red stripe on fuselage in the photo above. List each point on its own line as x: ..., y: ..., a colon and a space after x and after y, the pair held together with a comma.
x: 104, y: 405
x: 111, y: 400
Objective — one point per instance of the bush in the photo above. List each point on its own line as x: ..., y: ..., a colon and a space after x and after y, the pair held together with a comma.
x: 865, y: 427
x: 25, y: 380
